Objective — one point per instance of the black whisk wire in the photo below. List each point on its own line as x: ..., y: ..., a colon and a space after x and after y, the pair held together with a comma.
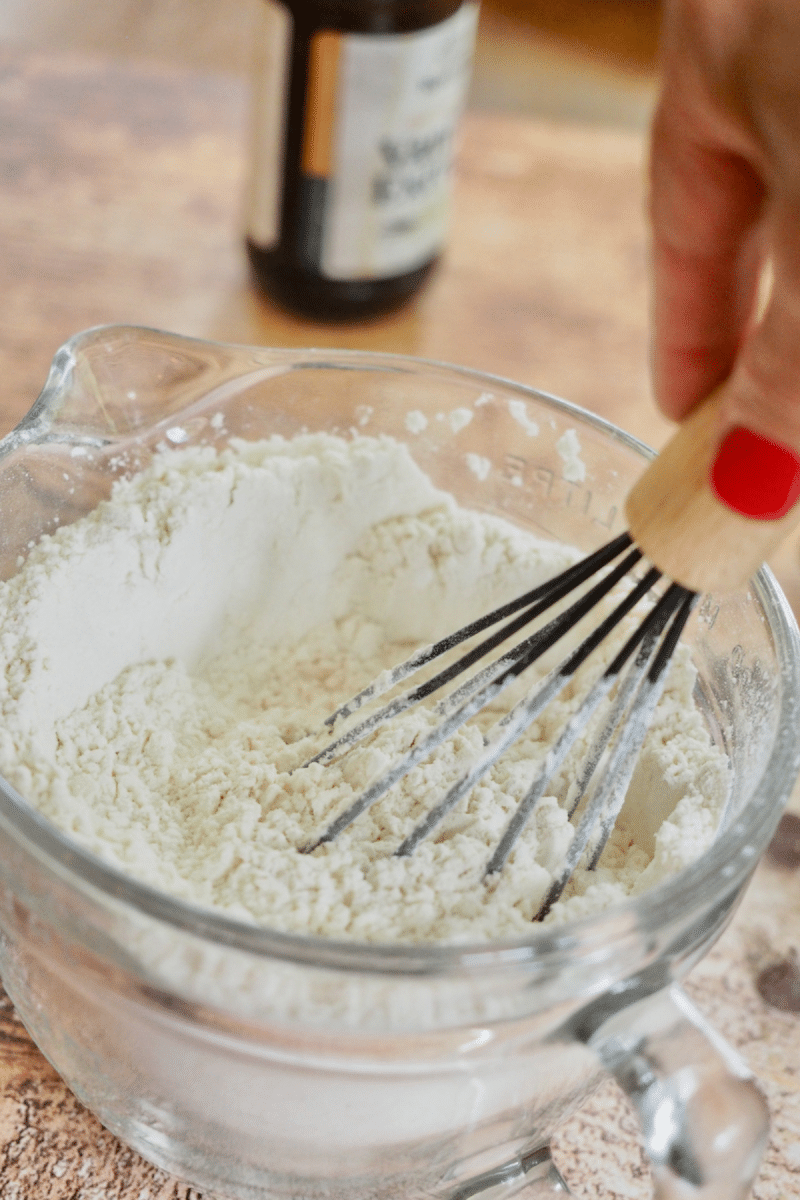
x: 546, y: 594
x: 523, y: 653
x: 604, y: 806
x: 635, y: 688
x: 455, y: 711
x: 525, y: 712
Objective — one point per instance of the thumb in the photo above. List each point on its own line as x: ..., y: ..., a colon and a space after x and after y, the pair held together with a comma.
x: 756, y: 468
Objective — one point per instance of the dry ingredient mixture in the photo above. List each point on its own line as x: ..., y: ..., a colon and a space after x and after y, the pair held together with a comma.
x: 167, y: 662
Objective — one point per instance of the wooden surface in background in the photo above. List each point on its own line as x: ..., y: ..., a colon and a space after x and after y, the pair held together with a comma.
x: 120, y: 195
x: 591, y: 59
x: 215, y: 33
x: 619, y: 32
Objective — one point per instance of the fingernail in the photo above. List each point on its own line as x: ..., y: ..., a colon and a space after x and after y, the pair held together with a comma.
x: 755, y: 476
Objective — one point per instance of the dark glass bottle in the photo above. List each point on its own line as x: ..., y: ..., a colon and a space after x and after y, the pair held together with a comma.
x: 355, y: 109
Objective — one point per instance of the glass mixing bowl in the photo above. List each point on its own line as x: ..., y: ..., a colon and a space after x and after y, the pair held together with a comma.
x: 259, y: 1065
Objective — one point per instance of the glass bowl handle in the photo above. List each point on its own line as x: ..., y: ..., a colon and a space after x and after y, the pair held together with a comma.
x: 704, y: 1121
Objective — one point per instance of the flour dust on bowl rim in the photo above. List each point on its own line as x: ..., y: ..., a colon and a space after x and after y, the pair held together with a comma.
x: 259, y: 1064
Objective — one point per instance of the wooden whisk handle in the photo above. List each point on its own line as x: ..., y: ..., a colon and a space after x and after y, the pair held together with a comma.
x: 677, y: 521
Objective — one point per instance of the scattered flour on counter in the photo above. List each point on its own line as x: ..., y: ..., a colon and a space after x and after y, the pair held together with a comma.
x: 168, y: 659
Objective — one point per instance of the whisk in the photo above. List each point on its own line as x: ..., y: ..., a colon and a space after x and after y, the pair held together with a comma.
x: 682, y: 540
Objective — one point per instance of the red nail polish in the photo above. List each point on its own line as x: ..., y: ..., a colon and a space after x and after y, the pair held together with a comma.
x: 755, y: 476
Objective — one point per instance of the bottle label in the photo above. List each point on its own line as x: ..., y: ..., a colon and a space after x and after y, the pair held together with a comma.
x: 381, y: 116
x: 268, y: 132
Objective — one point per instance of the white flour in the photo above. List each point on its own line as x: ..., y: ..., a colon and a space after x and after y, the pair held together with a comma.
x: 573, y: 468
x: 165, y: 659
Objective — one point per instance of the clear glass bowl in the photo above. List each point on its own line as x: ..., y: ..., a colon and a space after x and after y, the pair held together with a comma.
x: 261, y: 1065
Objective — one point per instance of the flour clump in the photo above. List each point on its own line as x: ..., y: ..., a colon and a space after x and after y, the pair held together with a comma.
x: 168, y: 661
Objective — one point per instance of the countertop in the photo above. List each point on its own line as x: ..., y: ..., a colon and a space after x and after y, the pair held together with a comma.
x: 120, y: 199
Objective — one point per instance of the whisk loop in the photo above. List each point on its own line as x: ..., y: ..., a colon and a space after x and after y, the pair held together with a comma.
x: 615, y: 747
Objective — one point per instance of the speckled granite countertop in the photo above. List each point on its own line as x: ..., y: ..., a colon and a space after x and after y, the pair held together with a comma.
x: 119, y: 201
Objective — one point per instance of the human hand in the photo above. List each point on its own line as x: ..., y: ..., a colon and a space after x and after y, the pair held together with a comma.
x: 725, y: 199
